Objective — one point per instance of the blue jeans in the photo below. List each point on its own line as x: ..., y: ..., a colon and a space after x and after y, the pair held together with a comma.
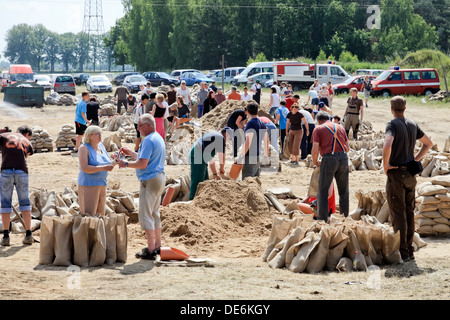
x: 333, y: 166
x: 199, y: 110
x: 9, y: 179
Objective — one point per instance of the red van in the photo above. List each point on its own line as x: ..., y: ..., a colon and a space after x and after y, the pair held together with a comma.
x: 20, y: 72
x: 406, y: 82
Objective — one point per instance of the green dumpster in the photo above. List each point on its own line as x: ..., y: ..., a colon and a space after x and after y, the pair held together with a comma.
x: 24, y: 94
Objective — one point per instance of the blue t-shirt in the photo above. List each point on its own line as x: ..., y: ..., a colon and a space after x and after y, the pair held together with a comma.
x: 95, y: 159
x: 152, y: 148
x: 81, y: 107
x: 313, y: 94
x: 283, y: 112
x: 259, y: 129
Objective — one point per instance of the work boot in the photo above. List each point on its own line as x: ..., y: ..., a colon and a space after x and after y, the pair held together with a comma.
x: 5, y: 242
x: 28, y: 239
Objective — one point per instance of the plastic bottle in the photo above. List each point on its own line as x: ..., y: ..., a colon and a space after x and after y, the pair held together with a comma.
x: 356, y: 261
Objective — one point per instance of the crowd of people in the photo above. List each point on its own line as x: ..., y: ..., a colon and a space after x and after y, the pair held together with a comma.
x: 308, y: 130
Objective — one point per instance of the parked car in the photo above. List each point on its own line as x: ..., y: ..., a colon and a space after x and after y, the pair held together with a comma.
x: 374, y: 72
x: 43, y: 81
x: 63, y: 83
x: 4, y: 78
x: 192, y: 78
x: 99, y: 84
x: 268, y: 83
x: 406, y: 81
x: 353, y: 82
x: 81, y: 78
x: 160, y: 78
x: 110, y: 76
x: 133, y: 82
x: 177, y: 73
x: 229, y: 74
x: 118, y: 79
x: 212, y: 73
x: 251, y: 69
x: 262, y: 77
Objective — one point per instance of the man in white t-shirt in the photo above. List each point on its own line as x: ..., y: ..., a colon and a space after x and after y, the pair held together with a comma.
x: 148, y: 89
x: 185, y: 93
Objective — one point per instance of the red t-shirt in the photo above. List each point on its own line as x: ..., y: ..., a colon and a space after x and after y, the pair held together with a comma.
x: 324, y: 137
x: 289, y: 103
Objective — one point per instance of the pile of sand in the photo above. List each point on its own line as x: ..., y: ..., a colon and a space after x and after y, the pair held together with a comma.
x: 222, y: 210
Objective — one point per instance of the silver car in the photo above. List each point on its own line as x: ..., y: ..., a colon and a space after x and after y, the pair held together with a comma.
x: 63, y: 83
x: 43, y: 81
x: 99, y: 84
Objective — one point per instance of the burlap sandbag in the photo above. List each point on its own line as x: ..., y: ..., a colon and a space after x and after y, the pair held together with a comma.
x: 443, y: 197
x: 97, y: 242
x: 280, y: 259
x: 391, y: 246
x: 353, y: 246
x: 280, y: 229
x: 121, y: 238
x: 425, y: 230
x: 286, y: 152
x: 335, y: 254
x: 111, y: 241
x: 313, y: 188
x: 63, y: 241
x: 80, y: 233
x: 300, y: 261
x: 49, y: 208
x: 431, y: 214
x: 383, y: 213
x: 443, y: 180
x: 318, y: 257
x: 441, y: 220
x: 426, y: 222
x: 431, y: 190
x: 364, y: 236
x: 441, y: 228
x: 445, y: 212
x: 46, y: 248
x: 344, y: 265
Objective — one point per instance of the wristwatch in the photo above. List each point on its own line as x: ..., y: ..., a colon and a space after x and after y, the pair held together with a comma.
x: 126, y: 163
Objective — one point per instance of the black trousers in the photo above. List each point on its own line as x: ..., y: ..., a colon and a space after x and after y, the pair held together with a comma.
x: 400, y: 193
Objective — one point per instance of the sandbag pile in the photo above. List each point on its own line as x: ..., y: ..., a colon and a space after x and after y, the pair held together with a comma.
x: 83, y: 240
x: 107, y: 110
x: 127, y: 131
x: 112, y: 143
x: 126, y: 122
x: 65, y: 135
x: 55, y: 98
x: 301, y: 244
x: 372, y: 203
x: 432, y: 213
x: 439, y: 96
x: 435, y: 163
x: 41, y: 140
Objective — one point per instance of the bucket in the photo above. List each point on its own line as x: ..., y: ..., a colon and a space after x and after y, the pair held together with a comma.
x: 235, y: 171
x: 169, y: 253
x: 168, y: 197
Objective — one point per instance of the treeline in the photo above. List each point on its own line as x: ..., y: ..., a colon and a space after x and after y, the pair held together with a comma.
x: 168, y: 34
x: 156, y: 34
x: 45, y: 49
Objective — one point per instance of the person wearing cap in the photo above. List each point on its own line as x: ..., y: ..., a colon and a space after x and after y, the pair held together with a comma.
x: 331, y: 142
x: 234, y: 95
x: 400, y: 166
x: 352, y: 113
x: 185, y: 93
x: 256, y: 89
x: 220, y: 97
x: 202, y: 155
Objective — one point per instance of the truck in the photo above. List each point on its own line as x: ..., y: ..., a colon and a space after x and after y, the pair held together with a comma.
x: 20, y: 72
x: 4, y: 77
x: 302, y: 75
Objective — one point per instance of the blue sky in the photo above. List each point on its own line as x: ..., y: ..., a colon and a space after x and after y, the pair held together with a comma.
x: 56, y: 15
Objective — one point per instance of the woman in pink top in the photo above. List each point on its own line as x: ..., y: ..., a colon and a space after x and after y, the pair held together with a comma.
x: 159, y: 113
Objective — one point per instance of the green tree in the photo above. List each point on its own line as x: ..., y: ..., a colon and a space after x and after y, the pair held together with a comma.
x: 67, y: 50
x: 52, y: 49
x: 19, y: 44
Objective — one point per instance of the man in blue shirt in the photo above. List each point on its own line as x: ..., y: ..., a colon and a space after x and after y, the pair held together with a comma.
x: 81, y: 121
x: 149, y: 167
x: 255, y: 132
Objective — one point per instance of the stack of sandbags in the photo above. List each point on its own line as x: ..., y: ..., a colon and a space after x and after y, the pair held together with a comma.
x: 65, y: 135
x: 112, y: 143
x: 41, y: 140
x: 109, y: 99
x: 83, y: 240
x: 107, y: 110
x: 435, y: 164
x: 127, y: 131
x: 179, y: 144
x: 372, y: 203
x: 52, y: 98
x: 67, y: 100
x: 432, y: 212
x: 301, y: 244
x: 118, y: 121
x: 365, y: 159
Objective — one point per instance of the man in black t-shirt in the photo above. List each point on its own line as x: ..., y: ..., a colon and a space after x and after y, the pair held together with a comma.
x: 398, y: 157
x: 236, y: 121
x: 92, y: 109
x: 16, y: 147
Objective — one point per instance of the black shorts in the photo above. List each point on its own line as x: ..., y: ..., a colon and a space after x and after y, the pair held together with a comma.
x: 138, y: 134
x: 80, y: 128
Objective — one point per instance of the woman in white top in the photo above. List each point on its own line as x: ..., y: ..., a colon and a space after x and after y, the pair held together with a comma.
x: 274, y: 101
x: 246, y: 96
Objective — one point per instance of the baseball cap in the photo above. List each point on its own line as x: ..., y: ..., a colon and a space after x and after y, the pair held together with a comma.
x: 182, y: 81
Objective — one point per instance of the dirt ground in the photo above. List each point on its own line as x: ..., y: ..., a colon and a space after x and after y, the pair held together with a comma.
x: 238, y: 272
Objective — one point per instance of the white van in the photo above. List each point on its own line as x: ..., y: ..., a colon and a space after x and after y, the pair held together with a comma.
x: 252, y: 68
x: 229, y: 73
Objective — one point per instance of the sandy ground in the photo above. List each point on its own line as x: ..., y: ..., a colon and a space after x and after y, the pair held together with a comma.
x: 238, y: 272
